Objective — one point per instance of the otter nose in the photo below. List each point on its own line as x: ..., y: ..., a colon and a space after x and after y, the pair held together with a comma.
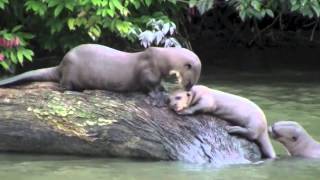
x: 189, y: 86
x: 274, y: 132
x: 168, y: 100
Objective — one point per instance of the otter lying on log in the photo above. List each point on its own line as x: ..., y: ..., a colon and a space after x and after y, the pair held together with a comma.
x: 39, y: 119
x: 94, y: 66
x: 248, y: 119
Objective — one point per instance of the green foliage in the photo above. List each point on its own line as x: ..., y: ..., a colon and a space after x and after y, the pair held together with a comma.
x: 160, y: 33
x: 259, y: 9
x: 310, y: 8
x: 252, y: 9
x: 3, y: 3
x: 13, y: 47
x: 202, y: 5
x: 59, y: 25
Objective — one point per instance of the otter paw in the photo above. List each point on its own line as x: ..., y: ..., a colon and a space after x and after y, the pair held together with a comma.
x: 158, y: 99
x: 158, y: 103
x: 185, y: 112
x: 236, y: 130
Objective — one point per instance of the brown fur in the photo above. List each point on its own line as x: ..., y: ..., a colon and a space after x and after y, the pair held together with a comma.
x: 295, y: 139
x: 93, y: 66
x: 248, y: 119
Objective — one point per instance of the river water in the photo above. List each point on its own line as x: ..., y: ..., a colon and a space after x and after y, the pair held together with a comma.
x: 282, y: 99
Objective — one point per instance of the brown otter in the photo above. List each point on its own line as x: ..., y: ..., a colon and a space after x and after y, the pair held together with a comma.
x: 93, y: 66
x: 295, y: 138
x: 249, y: 118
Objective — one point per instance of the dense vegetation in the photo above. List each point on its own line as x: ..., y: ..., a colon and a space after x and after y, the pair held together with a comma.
x: 58, y: 25
x: 34, y: 27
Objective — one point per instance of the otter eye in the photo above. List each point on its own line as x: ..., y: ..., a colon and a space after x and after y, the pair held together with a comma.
x: 177, y: 97
x: 189, y: 66
x: 294, y: 138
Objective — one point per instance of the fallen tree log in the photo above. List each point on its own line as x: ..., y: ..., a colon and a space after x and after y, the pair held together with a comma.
x: 38, y: 118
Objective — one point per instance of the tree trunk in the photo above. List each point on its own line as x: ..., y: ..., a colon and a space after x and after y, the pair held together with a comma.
x: 39, y: 118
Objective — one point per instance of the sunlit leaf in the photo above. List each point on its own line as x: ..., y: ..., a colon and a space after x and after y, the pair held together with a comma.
x: 58, y: 10
x: 165, y: 28
x: 158, y: 37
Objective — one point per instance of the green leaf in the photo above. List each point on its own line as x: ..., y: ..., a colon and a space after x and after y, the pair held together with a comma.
x: 303, y: 3
x: 2, y: 3
x: 96, y: 2
x: 28, y: 54
x: 58, y: 10
x: 270, y: 13
x: 20, y: 56
x: 4, y: 65
x: 256, y: 5
x: 192, y: 3
x: 70, y: 6
x: 13, y: 57
x: 25, y: 35
x: 173, y: 1
x: 165, y: 28
x: 16, y: 28
x: 71, y: 23
x: 8, y: 36
x: 3, y: 32
x: 53, y: 3
x: 136, y: 3
x: 96, y: 31
x: 295, y: 7
x: 293, y: 2
x: 204, y: 5
x: 316, y: 10
x: 38, y: 7
x: 110, y: 12
x: 242, y: 15
x: 148, y: 2
x: 117, y: 4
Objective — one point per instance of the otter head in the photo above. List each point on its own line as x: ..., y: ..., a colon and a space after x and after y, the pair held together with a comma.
x: 186, y: 65
x: 290, y: 134
x: 179, y: 100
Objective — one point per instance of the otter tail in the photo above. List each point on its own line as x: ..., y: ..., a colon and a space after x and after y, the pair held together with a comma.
x: 45, y: 74
x: 266, y: 146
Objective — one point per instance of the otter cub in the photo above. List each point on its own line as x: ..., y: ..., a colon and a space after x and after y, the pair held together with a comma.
x: 295, y: 138
x: 248, y: 118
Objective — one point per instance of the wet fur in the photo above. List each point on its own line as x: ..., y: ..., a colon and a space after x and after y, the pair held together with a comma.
x: 248, y: 119
x: 295, y: 139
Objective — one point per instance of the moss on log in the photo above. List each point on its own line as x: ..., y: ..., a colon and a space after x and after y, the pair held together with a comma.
x: 39, y: 118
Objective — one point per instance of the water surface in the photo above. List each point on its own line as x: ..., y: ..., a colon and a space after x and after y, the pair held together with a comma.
x: 297, y: 100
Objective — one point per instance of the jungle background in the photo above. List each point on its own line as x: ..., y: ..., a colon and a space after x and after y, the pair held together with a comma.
x: 244, y: 35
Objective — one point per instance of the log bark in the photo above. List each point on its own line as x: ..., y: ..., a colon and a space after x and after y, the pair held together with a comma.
x: 40, y: 118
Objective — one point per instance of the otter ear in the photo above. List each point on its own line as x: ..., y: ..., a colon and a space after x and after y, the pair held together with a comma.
x: 188, y: 94
x: 188, y: 66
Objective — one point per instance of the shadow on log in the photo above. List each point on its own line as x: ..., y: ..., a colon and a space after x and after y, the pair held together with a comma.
x: 38, y: 118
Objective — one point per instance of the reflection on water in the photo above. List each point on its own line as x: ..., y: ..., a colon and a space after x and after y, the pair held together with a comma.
x: 16, y: 167
x: 298, y: 101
